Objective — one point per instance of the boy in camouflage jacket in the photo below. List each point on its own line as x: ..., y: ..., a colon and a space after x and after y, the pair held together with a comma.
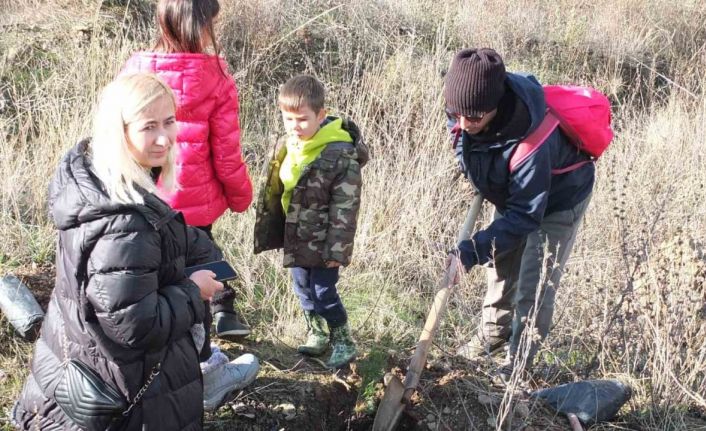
x: 309, y: 206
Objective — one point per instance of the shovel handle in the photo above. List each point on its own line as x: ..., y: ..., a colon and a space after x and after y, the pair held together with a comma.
x: 432, y: 324
x: 574, y: 422
x: 471, y: 217
x: 438, y: 308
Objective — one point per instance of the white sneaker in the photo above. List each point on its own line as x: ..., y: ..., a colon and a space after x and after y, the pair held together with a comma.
x: 223, y: 380
x: 216, y: 360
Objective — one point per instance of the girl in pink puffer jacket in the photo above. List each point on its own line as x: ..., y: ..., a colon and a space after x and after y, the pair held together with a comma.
x: 211, y: 173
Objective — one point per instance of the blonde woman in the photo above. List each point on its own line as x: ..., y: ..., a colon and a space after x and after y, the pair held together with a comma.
x: 122, y: 306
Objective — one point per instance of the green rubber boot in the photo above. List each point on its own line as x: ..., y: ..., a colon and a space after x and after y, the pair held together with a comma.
x: 316, y: 341
x: 343, y: 347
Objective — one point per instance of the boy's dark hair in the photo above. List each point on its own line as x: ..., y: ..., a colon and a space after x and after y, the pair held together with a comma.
x: 302, y: 90
x: 182, y: 23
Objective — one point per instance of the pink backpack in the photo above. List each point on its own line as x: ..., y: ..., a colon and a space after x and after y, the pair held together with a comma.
x: 582, y: 113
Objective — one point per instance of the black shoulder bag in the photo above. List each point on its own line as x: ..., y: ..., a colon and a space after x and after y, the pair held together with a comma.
x: 90, y: 402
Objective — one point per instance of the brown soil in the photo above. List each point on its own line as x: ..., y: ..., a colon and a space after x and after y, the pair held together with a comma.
x: 303, y: 395
x: 296, y: 393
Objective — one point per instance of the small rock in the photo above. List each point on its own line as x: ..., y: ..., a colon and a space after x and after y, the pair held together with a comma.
x: 288, y: 410
x: 491, y: 421
x: 485, y: 399
x: 3, y: 376
x: 431, y: 418
x: 11, y: 54
x: 447, y: 410
x: 81, y: 27
x: 241, y: 409
x: 522, y: 410
x: 431, y: 425
x: 238, y: 408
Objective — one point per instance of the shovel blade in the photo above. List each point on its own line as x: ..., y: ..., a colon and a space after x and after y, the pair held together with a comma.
x: 391, y: 406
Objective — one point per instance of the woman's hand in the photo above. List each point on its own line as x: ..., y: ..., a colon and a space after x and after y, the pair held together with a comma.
x: 332, y: 264
x: 207, y: 283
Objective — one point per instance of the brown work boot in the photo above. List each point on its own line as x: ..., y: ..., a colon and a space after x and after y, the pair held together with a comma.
x: 481, y: 347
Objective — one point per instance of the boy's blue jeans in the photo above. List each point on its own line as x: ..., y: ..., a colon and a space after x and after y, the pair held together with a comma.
x: 316, y: 289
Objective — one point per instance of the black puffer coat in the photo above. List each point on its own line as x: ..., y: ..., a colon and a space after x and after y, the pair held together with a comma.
x: 123, y: 302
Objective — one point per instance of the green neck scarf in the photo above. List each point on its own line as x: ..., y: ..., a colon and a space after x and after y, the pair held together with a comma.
x: 301, y: 153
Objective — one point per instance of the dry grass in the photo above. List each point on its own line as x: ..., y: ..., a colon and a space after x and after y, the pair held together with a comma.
x: 632, y: 303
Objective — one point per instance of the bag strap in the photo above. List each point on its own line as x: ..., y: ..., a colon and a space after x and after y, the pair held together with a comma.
x: 532, y: 142
x: 148, y: 382
x: 570, y: 167
x: 456, y: 132
x: 154, y: 373
x: 82, y: 278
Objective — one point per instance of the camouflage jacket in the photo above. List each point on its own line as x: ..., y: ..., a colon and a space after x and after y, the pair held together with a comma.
x: 321, y: 220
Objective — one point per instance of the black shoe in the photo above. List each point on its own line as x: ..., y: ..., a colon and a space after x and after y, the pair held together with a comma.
x: 228, y: 325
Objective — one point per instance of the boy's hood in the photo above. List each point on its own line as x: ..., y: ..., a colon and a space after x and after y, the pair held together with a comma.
x: 331, y: 130
x: 361, y: 148
x: 335, y: 129
x: 193, y: 77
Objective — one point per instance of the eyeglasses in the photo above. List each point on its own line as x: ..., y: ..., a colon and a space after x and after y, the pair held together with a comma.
x: 456, y: 116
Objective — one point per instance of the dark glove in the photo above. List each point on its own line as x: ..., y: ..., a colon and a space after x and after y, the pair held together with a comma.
x: 465, y: 251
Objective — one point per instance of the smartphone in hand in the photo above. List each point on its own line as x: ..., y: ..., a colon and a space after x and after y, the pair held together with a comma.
x: 221, y: 268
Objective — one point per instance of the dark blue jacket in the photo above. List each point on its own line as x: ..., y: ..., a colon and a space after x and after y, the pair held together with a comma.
x: 526, y: 195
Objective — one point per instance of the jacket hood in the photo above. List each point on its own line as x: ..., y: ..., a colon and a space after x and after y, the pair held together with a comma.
x: 77, y: 196
x: 531, y: 93
x: 361, y: 148
x: 193, y: 76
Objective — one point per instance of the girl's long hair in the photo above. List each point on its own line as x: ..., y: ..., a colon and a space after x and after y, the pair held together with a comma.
x: 121, y: 101
x: 182, y: 24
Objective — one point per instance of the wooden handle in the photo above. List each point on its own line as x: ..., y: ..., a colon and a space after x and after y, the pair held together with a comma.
x: 438, y: 308
x: 432, y: 324
x: 471, y: 217
x: 574, y: 421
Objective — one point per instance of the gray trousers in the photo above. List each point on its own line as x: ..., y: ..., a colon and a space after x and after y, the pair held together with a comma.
x: 526, y: 279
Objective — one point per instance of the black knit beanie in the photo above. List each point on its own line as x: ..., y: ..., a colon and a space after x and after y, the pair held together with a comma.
x: 475, y: 82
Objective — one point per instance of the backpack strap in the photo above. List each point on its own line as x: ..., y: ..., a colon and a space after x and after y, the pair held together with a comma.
x: 455, y: 135
x: 532, y: 142
x: 570, y: 167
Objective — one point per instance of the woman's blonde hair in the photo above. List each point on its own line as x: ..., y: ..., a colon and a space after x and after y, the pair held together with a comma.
x: 121, y: 101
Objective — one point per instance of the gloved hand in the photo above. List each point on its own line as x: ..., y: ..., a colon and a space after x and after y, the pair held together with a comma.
x: 465, y: 251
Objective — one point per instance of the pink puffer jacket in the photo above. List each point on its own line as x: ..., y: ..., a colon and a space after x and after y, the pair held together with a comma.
x: 210, y: 170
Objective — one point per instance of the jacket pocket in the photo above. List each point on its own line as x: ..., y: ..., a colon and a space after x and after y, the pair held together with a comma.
x: 312, y: 224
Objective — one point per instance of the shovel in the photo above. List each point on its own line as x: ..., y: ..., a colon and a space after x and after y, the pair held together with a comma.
x: 587, y: 402
x: 397, y: 393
